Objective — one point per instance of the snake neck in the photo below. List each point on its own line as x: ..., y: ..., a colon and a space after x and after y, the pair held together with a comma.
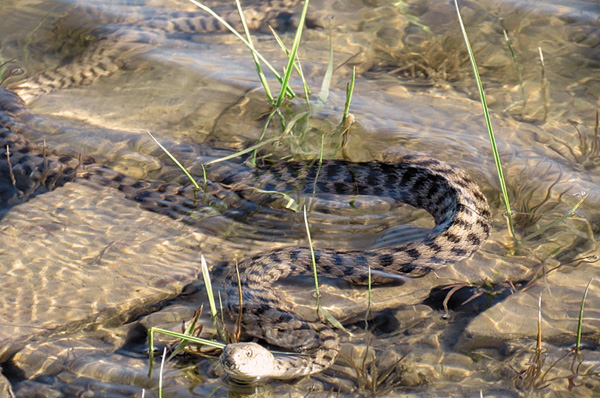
x: 293, y: 366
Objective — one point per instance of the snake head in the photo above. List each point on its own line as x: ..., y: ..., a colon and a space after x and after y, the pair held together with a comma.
x: 247, y: 361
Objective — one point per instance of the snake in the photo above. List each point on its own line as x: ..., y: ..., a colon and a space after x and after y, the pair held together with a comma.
x: 462, y: 224
x: 459, y: 209
x: 107, y: 52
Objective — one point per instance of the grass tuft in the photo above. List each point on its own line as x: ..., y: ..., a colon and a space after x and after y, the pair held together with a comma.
x: 558, y: 220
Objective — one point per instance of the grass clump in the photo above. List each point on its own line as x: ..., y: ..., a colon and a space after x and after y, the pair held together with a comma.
x: 537, y: 375
x: 297, y: 124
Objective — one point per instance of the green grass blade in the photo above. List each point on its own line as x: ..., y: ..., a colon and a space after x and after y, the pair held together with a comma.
x: 349, y: 91
x: 320, y: 164
x: 261, y: 75
x: 580, y: 320
x: 404, y: 8
x: 189, y: 331
x: 304, y: 83
x: 326, y: 84
x: 188, y: 175
x: 314, y: 261
x: 243, y: 152
x: 320, y: 311
x: 538, y: 345
x: 160, y: 373
x: 208, y: 285
x: 150, y: 351
x: 273, y: 112
x: 248, y: 44
x: 290, y: 125
x: 297, y: 66
x: 332, y: 320
x: 292, y: 56
x: 191, y: 339
x: 488, y: 123
x: 515, y: 63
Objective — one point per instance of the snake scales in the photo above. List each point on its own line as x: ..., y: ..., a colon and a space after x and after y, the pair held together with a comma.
x: 459, y: 209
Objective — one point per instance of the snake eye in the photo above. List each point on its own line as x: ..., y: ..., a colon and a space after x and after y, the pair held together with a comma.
x: 248, y: 353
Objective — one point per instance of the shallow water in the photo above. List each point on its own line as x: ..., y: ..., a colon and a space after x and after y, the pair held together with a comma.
x: 86, y: 270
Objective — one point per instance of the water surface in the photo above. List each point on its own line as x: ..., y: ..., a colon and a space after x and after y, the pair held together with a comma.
x: 86, y: 270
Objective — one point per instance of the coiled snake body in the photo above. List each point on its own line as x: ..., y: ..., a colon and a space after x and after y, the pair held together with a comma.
x: 462, y: 223
x: 460, y: 211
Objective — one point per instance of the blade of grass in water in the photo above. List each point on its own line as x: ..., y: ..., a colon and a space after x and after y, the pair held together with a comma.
x: 347, y: 118
x: 189, y: 331
x: 292, y: 56
x: 261, y: 75
x: 248, y: 44
x: 292, y: 122
x: 369, y: 286
x: 538, y: 345
x: 349, y: 91
x: 320, y: 310
x: 150, y: 351
x: 580, y: 320
x: 312, y: 256
x: 208, y: 286
x: 488, y: 123
x: 188, y: 175
x: 297, y: 65
x: 290, y: 204
x: 160, y: 373
x: 515, y: 63
x: 243, y: 152
x: 320, y: 164
x: 273, y: 112
x: 324, y: 93
x: 191, y: 339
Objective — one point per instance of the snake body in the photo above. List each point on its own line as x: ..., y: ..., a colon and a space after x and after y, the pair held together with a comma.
x: 462, y: 223
x: 459, y: 209
x: 107, y: 52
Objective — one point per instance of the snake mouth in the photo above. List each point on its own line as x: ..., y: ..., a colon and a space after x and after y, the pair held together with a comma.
x: 228, y: 365
x: 235, y: 378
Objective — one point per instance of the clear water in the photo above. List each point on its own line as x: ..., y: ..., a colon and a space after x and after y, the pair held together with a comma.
x: 85, y: 271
